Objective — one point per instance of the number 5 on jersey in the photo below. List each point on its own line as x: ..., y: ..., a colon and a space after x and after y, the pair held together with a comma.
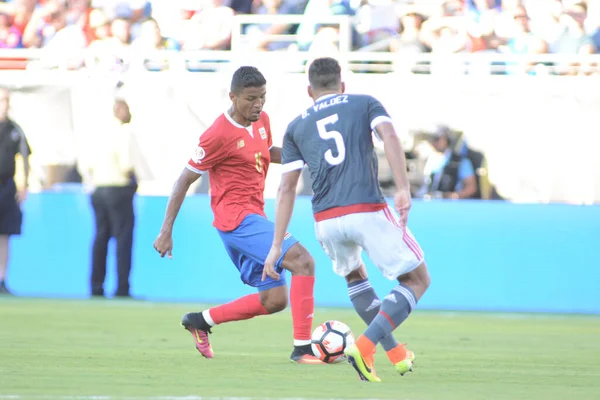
x: 336, y: 136
x: 258, y: 159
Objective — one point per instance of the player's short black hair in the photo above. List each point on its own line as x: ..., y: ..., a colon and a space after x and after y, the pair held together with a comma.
x: 246, y: 77
x: 325, y: 73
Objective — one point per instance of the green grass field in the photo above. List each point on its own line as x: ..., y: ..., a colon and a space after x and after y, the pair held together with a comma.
x: 63, y: 349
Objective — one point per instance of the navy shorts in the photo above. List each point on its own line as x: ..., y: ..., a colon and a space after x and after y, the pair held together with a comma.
x: 248, y: 246
x: 10, y: 212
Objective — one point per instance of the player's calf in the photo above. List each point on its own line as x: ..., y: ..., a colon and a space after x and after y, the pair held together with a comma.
x: 275, y: 300
x: 199, y: 324
x: 418, y: 280
x: 301, y: 264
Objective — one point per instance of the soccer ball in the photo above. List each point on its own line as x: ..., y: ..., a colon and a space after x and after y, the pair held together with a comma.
x: 329, y: 340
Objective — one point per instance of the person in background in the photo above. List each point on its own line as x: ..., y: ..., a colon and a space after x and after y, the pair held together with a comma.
x: 574, y: 39
x: 111, y: 173
x: 19, y: 13
x: 241, y: 6
x: 107, y: 52
x: 209, y: 28
x: 523, y: 41
x: 146, y: 47
x: 12, y: 141
x: 133, y: 11
x: 258, y: 34
x: 449, y: 174
x: 10, y: 37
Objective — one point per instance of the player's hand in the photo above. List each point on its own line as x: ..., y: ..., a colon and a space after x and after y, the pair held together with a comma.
x: 402, y: 203
x: 269, y: 267
x: 164, y: 244
x: 21, y: 196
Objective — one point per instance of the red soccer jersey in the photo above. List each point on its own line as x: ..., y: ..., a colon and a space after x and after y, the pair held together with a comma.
x: 237, y: 159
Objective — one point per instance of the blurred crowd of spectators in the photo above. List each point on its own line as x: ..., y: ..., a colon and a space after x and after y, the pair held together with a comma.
x: 117, y: 30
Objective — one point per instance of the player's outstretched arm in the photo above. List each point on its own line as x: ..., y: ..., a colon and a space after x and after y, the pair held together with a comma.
x: 275, y: 153
x: 397, y: 160
x: 164, y: 242
x: 286, y: 197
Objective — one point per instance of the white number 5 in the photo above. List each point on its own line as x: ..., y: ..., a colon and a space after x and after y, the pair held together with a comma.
x: 335, y: 135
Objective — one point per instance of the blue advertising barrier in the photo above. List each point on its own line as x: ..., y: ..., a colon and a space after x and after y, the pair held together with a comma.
x: 481, y: 255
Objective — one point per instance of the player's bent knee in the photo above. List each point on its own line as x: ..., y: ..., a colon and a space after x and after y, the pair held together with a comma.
x: 275, y: 305
x: 274, y: 300
x: 299, y: 261
x: 423, y: 276
x: 427, y: 281
x: 306, y: 265
x: 358, y: 274
x: 418, y: 280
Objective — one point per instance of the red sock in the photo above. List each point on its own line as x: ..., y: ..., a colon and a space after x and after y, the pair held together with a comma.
x: 243, y: 308
x: 303, y: 307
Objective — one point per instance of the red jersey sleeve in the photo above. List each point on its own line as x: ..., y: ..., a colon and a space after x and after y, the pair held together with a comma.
x: 267, y: 123
x: 209, y: 152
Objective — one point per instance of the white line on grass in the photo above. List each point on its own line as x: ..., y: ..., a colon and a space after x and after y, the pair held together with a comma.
x: 59, y: 397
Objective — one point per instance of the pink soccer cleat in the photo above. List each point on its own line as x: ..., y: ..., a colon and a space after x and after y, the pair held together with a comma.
x: 194, y: 325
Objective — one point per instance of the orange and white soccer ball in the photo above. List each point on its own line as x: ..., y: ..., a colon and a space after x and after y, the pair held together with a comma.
x: 329, y: 340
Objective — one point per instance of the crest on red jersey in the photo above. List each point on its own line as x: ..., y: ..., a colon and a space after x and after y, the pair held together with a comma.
x: 198, y: 155
x: 263, y: 132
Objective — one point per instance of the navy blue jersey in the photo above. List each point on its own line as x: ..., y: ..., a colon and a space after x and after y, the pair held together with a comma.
x: 12, y: 141
x: 334, y: 138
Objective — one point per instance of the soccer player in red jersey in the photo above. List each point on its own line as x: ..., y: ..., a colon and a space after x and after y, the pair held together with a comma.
x: 237, y: 150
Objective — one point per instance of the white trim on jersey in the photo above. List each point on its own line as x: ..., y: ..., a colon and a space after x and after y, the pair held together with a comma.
x: 188, y: 166
x: 232, y: 121
x: 292, y: 166
x: 226, y: 113
x: 379, y: 120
